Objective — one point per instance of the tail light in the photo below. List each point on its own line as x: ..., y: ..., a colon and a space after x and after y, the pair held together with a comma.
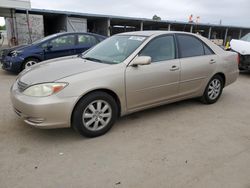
x: 238, y: 59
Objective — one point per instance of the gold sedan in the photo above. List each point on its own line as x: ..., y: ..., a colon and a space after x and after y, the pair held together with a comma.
x: 123, y: 74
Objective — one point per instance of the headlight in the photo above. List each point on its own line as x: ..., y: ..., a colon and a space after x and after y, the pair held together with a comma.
x: 44, y: 90
x: 15, y: 53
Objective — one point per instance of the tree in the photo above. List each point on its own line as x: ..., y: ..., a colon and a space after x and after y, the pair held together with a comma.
x: 157, y: 18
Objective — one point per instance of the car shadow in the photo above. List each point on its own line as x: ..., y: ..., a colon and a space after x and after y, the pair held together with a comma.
x: 68, y: 134
x: 48, y: 135
x: 6, y: 73
x: 245, y: 73
x: 160, y: 110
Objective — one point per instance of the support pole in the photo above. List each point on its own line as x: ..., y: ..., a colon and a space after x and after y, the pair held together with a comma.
x: 240, y: 33
x: 209, y: 33
x: 169, y: 27
x: 28, y: 24
x: 191, y: 29
x: 141, y: 26
x: 225, y: 38
x: 14, y: 34
x: 108, y: 28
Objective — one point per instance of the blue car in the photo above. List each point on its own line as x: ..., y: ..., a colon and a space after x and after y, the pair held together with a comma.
x: 57, y: 45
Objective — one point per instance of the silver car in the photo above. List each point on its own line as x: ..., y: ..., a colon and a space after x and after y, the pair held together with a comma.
x: 125, y: 73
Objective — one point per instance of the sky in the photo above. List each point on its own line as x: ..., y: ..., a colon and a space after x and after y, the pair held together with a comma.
x: 230, y: 12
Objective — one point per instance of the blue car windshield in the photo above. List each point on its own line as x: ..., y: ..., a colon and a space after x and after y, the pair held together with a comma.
x: 115, y: 49
x: 44, y: 39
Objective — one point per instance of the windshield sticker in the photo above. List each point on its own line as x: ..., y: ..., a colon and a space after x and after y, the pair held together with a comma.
x: 136, y: 38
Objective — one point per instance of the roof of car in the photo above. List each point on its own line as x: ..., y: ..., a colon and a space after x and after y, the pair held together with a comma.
x: 151, y: 32
x: 66, y: 33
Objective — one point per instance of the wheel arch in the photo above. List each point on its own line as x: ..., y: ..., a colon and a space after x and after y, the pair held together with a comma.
x: 222, y: 75
x: 30, y: 57
x: 108, y: 91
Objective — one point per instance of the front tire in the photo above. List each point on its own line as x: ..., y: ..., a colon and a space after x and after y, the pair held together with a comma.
x: 29, y: 62
x: 95, y: 114
x: 213, y: 90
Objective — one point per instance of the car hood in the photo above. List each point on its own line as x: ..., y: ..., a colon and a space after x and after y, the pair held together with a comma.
x: 56, y: 69
x: 240, y: 46
x: 18, y: 48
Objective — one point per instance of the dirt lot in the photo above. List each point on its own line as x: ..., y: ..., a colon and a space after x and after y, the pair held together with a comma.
x: 186, y: 144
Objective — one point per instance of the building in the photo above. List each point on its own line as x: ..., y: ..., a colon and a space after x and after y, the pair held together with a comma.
x: 25, y: 25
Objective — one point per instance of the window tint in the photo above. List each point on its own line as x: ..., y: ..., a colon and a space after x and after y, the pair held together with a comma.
x: 207, y: 50
x: 44, y: 45
x: 189, y: 46
x: 246, y: 37
x: 101, y: 39
x: 160, y: 49
x: 87, y: 40
x: 115, y: 49
x: 63, y: 41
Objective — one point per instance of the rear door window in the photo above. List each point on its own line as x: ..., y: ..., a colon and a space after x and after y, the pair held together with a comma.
x: 190, y: 46
x: 207, y: 50
x: 87, y: 40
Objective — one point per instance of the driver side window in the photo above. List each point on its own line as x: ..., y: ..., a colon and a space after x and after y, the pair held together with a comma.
x: 160, y: 49
x: 63, y: 41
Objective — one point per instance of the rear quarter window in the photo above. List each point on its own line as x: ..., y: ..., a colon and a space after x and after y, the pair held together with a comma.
x: 207, y: 50
x: 190, y: 46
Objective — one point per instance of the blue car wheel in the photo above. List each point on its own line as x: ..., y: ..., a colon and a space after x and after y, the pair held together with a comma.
x: 29, y: 62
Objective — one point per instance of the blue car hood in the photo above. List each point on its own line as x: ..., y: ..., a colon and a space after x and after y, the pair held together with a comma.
x: 18, y: 48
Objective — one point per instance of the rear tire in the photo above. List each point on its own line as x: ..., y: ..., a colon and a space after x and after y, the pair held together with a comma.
x: 95, y: 114
x: 213, y: 90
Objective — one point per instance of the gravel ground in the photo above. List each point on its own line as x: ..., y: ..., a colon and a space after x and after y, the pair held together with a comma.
x: 185, y: 144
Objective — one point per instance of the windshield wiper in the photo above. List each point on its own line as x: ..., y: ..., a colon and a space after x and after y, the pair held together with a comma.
x: 93, y: 59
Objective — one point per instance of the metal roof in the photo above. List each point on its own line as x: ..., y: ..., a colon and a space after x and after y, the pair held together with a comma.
x: 123, y: 18
x: 23, y: 4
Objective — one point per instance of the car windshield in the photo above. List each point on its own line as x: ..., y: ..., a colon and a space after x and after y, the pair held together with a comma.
x: 246, y: 37
x: 44, y: 39
x: 115, y: 49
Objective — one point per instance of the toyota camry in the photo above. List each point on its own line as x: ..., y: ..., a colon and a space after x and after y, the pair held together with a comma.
x: 123, y: 74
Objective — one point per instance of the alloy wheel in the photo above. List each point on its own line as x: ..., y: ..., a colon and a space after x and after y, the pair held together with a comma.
x: 97, y: 115
x: 214, y: 89
x: 30, y: 63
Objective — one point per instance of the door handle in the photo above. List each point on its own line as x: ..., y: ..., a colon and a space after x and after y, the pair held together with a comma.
x: 174, y: 68
x: 212, y: 61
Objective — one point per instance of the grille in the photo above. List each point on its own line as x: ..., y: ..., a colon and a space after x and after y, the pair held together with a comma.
x: 3, y: 53
x: 21, y: 86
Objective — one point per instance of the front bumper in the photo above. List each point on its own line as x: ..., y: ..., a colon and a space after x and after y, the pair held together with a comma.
x: 43, y: 112
x: 12, y: 64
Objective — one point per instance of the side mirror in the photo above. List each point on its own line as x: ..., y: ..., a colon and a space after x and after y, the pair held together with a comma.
x: 141, y: 60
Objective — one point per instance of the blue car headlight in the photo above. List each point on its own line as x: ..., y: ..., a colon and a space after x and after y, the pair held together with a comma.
x: 15, y: 53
